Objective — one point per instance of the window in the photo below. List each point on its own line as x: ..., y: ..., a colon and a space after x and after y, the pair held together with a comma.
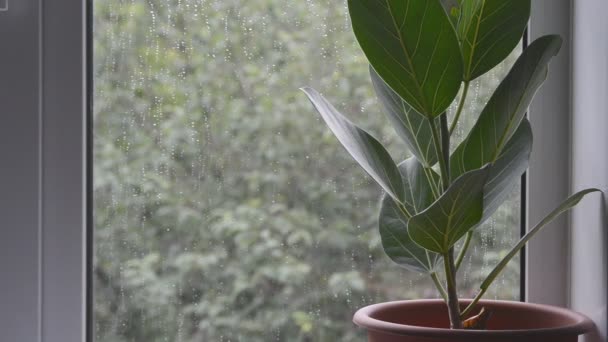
x: 224, y: 209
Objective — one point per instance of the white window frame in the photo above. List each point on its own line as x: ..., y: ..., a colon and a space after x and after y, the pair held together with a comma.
x: 64, y: 191
x: 42, y: 133
x: 589, y: 127
x: 549, y: 172
x: 44, y: 249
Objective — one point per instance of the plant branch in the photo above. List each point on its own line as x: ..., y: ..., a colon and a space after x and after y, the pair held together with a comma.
x: 439, y: 287
x: 453, y: 304
x: 445, y: 144
x: 463, y: 250
x: 404, y: 210
x: 564, y: 206
x: 445, y: 175
x: 472, y: 305
x: 441, y: 140
x: 434, y: 187
x: 463, y: 98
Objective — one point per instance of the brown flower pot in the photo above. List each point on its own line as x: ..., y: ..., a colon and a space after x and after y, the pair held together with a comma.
x: 427, y: 321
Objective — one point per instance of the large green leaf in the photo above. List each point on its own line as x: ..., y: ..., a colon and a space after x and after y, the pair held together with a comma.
x: 393, y: 220
x: 489, y: 30
x: 507, y: 106
x: 366, y: 150
x: 413, y: 47
x: 504, y: 172
x: 456, y: 212
x: 508, y: 169
x: 411, y: 126
x: 566, y: 205
x: 500, y: 137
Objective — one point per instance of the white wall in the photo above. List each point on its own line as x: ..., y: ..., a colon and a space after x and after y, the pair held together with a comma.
x: 589, y: 129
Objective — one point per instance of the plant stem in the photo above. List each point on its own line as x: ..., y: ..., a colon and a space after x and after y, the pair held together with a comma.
x: 472, y: 305
x: 463, y: 250
x: 463, y: 98
x: 453, y: 304
x: 442, y: 145
x: 404, y: 210
x: 445, y: 174
x: 434, y: 187
x: 445, y: 144
x: 439, y: 287
x: 564, y: 206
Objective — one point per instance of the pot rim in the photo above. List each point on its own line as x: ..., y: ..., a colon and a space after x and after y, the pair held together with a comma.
x: 363, y: 318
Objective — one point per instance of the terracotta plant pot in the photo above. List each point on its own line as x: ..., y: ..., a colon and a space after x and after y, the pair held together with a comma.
x: 427, y: 321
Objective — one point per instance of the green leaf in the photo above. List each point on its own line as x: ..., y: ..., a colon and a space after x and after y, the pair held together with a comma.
x: 413, y: 47
x: 411, y: 126
x: 504, y: 172
x: 393, y: 221
x: 566, y: 205
x: 507, y: 106
x: 489, y: 30
x: 507, y: 170
x: 500, y: 137
x: 456, y: 212
x: 366, y: 150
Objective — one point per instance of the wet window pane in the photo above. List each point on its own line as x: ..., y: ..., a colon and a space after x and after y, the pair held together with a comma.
x: 224, y: 208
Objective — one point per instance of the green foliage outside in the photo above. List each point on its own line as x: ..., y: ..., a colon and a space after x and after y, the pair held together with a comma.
x: 224, y: 209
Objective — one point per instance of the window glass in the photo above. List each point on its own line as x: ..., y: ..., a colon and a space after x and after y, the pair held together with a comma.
x: 225, y: 210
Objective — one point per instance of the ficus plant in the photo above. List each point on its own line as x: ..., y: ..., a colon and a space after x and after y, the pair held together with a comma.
x: 422, y: 54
